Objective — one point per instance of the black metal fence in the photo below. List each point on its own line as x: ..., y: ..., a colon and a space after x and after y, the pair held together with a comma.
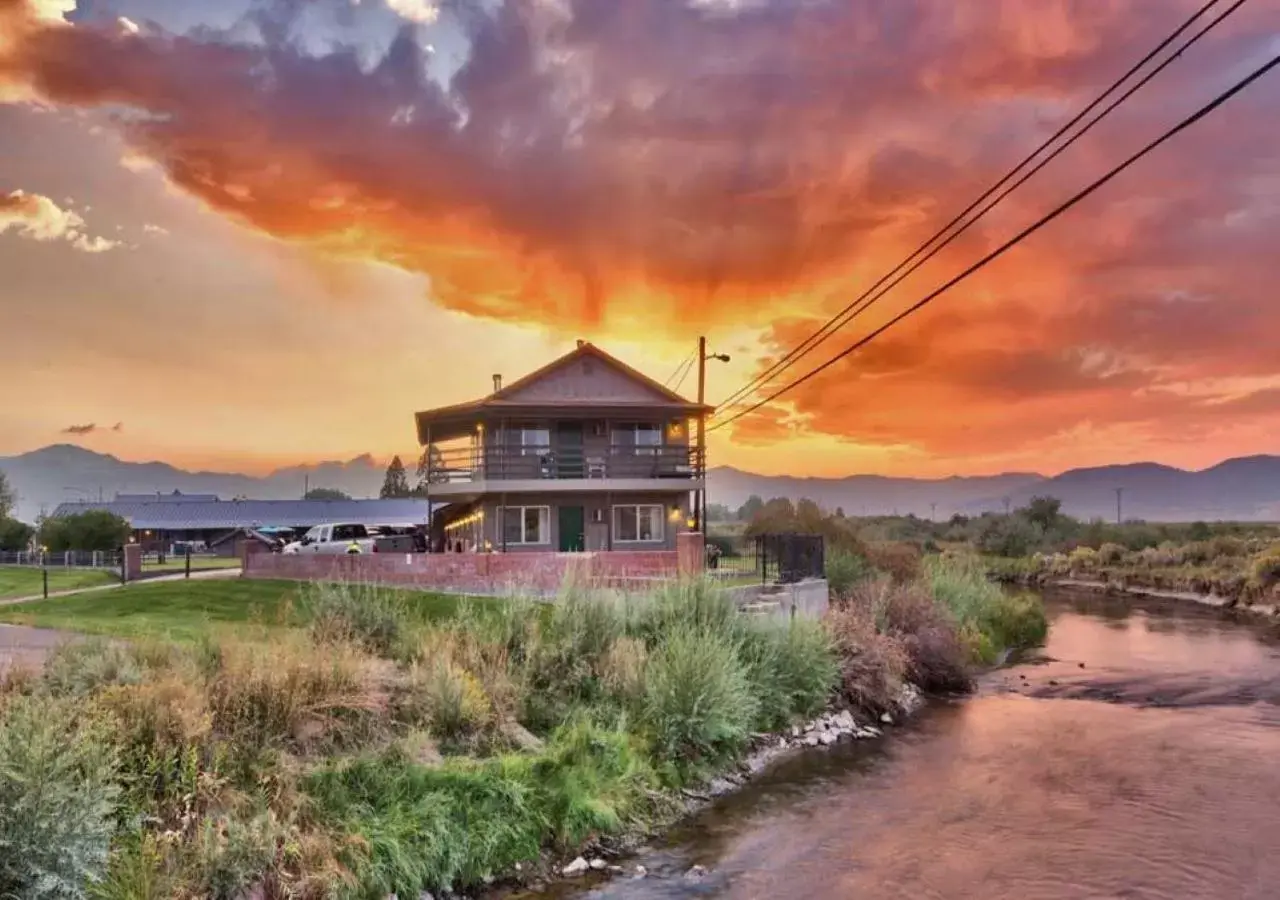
x: 767, y: 558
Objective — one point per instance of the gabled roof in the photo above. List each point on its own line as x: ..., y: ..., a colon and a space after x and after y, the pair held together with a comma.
x: 461, y: 418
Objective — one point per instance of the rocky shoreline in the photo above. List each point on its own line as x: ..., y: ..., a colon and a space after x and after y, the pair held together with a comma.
x: 1264, y: 611
x: 601, y: 860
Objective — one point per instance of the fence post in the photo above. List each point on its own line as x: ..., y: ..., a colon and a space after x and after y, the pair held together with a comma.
x: 44, y: 579
x: 188, y: 567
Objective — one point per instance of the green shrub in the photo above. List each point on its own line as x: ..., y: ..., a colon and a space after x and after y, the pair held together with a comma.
x: 844, y: 570
x: 695, y: 603
x: 231, y: 856
x: 370, y: 616
x: 992, y: 619
x: 1111, y: 554
x: 135, y: 872
x: 791, y: 668
x: 78, y: 668
x: 1265, y: 568
x: 699, y: 704
x: 448, y: 699
x: 589, y: 782
x: 57, y: 801
x: 897, y: 559
x: 937, y: 660
x: 1011, y: 621
x: 429, y: 828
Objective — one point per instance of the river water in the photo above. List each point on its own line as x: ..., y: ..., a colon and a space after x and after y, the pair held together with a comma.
x: 1137, y: 756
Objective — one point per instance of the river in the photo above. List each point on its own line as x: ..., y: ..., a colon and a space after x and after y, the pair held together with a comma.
x: 1136, y: 756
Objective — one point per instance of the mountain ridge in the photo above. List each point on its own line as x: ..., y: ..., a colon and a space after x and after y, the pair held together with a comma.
x: 1243, y: 488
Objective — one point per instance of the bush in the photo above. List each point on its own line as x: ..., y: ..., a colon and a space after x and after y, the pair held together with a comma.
x: 1111, y: 554
x: 844, y: 570
x: 791, y: 667
x: 290, y: 693
x: 78, y: 668
x: 448, y: 699
x: 1083, y: 558
x: 369, y: 616
x: 231, y: 856
x: 57, y: 801
x: 990, y: 619
x: 698, y: 704
x: 936, y: 658
x: 1264, y: 571
x: 897, y: 559
x: 14, y: 535
x: 1009, y: 536
x: 872, y: 665
x: 95, y: 529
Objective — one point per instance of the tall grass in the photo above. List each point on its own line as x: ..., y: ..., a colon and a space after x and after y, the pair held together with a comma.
x: 991, y: 619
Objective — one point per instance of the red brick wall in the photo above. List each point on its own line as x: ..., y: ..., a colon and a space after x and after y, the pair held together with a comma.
x: 484, y: 573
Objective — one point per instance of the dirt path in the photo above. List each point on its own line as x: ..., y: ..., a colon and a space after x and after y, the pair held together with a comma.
x: 25, y: 647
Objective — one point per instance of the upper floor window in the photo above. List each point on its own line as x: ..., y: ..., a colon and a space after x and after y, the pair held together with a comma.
x: 638, y: 437
x: 529, y: 439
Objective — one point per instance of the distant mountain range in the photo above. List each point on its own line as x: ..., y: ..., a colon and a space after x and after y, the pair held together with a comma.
x: 1244, y: 489
x: 51, y: 475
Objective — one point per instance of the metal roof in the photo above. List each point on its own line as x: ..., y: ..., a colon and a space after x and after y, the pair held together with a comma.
x: 178, y: 515
x: 158, y: 496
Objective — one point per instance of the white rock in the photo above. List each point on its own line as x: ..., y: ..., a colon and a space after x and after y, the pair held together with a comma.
x: 827, y: 738
x: 811, y: 740
x: 575, y: 868
x: 795, y: 731
x: 597, y: 864
x: 886, y: 718
x: 641, y: 871
x: 426, y: 895
x: 870, y: 731
x: 844, y: 720
x: 696, y: 873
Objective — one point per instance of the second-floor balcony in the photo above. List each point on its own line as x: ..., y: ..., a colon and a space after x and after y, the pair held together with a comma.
x: 537, y: 463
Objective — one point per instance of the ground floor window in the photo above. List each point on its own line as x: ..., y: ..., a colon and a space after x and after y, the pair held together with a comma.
x: 639, y: 523
x: 526, y: 524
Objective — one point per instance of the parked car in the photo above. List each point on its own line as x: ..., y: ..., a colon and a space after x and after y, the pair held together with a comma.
x: 344, y: 537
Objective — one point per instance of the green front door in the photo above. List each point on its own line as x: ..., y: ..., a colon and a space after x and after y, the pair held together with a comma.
x: 573, y: 526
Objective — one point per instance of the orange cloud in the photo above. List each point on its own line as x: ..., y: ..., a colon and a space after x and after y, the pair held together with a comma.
x: 654, y: 166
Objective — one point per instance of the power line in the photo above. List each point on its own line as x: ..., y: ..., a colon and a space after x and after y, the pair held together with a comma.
x: 687, y: 369
x: 684, y: 362
x: 1018, y: 238
x: 852, y: 310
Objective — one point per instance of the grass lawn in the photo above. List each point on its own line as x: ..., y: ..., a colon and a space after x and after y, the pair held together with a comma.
x: 184, y: 610
x: 24, y: 581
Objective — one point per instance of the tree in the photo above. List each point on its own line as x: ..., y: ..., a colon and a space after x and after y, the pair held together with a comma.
x: 430, y: 470
x: 325, y: 494
x: 396, y: 483
x: 96, y: 529
x: 718, y: 512
x: 1043, y: 511
x: 15, y: 535
x: 8, y: 499
x: 748, y: 510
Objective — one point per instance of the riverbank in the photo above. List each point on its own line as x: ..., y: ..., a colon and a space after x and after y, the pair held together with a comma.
x: 355, y: 750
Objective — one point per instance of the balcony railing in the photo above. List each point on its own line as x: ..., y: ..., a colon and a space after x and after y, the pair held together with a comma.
x: 557, y: 463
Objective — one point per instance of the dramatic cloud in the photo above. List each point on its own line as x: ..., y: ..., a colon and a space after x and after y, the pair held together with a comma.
x: 155, y: 229
x: 39, y: 218
x: 656, y: 166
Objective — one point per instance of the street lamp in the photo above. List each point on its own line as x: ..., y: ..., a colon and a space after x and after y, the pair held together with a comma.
x: 700, y: 499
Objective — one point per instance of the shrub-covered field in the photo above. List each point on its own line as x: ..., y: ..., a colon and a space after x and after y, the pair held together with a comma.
x: 371, y: 750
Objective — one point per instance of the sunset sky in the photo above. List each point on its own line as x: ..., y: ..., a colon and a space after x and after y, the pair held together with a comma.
x: 241, y: 234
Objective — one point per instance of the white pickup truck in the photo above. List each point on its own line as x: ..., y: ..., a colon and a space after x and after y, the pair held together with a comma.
x: 337, y: 538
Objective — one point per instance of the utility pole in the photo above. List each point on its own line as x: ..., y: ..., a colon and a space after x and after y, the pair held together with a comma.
x: 700, y: 498
x: 306, y: 485
x: 933, y: 512
x: 1006, y: 506
x: 1119, y: 507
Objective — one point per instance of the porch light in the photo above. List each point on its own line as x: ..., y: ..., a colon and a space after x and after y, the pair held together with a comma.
x: 675, y: 429
x: 691, y: 522
x: 675, y: 514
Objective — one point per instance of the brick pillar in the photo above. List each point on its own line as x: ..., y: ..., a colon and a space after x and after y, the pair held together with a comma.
x: 132, y: 562
x: 691, y: 553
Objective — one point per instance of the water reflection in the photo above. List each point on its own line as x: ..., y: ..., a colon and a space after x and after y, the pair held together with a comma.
x: 1033, y: 789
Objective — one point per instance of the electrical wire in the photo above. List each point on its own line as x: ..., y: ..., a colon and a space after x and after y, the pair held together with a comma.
x: 688, y: 368
x: 1016, y: 239
x: 857, y: 306
x: 682, y: 364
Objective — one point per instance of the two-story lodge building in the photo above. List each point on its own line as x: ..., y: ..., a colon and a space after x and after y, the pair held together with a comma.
x: 586, y: 453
